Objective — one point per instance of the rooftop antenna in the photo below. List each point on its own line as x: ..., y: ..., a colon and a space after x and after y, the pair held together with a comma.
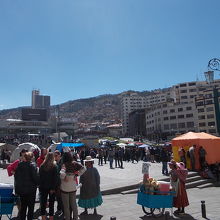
x: 209, y: 76
x: 197, y: 77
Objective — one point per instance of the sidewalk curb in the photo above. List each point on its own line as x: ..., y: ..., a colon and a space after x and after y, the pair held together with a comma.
x: 119, y: 190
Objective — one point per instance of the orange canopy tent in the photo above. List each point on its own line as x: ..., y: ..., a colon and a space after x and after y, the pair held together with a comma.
x: 209, y: 142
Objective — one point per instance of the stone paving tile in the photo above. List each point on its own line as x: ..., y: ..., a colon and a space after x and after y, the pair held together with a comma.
x: 111, y: 178
x: 124, y: 207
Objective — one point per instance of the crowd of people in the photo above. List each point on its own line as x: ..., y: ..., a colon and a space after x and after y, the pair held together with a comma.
x: 37, y: 139
x: 117, y: 155
x: 5, y: 155
x: 56, y: 177
x: 190, y: 159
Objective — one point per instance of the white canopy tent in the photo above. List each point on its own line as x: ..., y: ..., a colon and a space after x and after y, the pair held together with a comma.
x: 53, y: 147
x: 28, y: 146
x: 123, y: 145
x: 144, y: 146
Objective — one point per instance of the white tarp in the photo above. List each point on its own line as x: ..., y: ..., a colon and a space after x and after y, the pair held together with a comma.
x: 121, y: 145
x: 28, y: 146
x: 53, y: 147
x: 144, y: 146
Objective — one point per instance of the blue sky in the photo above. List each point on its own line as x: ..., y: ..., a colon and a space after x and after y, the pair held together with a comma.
x: 83, y: 48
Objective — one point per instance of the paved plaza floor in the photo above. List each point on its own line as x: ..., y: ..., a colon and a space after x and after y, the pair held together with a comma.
x: 112, y: 178
x: 124, y: 207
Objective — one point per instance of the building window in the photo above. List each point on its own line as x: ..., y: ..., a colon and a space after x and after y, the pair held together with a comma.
x: 192, y: 90
x: 183, y: 85
x: 173, y: 126
x: 180, y: 109
x: 201, y: 110
x: 209, y: 109
x: 208, y: 96
x: 192, y: 96
x: 165, y: 112
x: 166, y: 127
x: 183, y: 91
x: 180, y: 116
x: 192, y: 84
x: 212, y: 123
x: 172, y: 110
x: 188, y: 108
x: 202, y: 89
x: 212, y: 131
x: 201, y: 117
x: 210, y: 116
x: 203, y: 124
x: 172, y: 117
x: 189, y: 115
x: 181, y: 125
x: 184, y: 97
x: 165, y: 118
x: 190, y: 124
x: 208, y: 102
x: 200, y: 103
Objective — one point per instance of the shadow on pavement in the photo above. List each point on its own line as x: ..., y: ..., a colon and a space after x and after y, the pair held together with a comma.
x: 56, y: 217
x: 90, y: 217
x: 184, y: 217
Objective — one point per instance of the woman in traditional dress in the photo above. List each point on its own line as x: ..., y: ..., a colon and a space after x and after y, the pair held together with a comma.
x: 178, y: 176
x: 90, y: 195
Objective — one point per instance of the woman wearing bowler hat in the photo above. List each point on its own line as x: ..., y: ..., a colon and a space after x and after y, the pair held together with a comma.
x: 90, y: 195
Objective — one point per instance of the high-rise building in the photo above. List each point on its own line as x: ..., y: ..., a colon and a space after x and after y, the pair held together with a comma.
x: 40, y: 101
x: 129, y: 103
x: 35, y: 94
x: 196, y: 109
x: 189, y: 106
x: 133, y: 101
x: 137, y: 123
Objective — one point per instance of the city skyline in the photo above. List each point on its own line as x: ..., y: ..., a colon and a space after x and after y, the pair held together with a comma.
x: 82, y: 49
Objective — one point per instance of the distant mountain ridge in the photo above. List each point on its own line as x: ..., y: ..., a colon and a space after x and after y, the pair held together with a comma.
x: 100, y: 108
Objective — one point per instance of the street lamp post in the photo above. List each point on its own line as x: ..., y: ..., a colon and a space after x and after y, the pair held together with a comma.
x: 214, y: 65
x: 57, y: 115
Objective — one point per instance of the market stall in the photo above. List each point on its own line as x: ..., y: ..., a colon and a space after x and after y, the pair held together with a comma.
x: 210, y: 143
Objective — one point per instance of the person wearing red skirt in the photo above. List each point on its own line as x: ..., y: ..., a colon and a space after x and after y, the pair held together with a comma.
x: 179, y: 174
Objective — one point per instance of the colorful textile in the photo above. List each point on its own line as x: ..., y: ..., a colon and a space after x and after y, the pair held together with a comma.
x: 181, y: 200
x: 90, y: 195
x: 91, y: 203
x: 12, y: 167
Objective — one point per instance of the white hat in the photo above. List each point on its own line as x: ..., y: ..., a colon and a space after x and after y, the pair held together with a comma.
x: 88, y: 159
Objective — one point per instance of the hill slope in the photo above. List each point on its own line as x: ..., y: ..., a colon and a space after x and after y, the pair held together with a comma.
x: 100, y: 108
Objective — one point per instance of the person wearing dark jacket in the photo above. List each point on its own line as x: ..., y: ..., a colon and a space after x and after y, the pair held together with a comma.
x: 26, y: 181
x: 57, y: 158
x: 164, y: 156
x: 49, y: 181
